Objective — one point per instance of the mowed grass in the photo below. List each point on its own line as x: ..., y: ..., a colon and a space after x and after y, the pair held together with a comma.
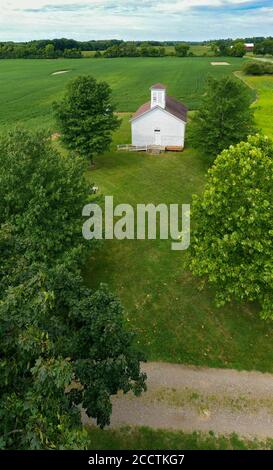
x: 264, y: 106
x: 28, y: 88
x: 175, y: 320
x: 262, y: 86
x: 146, y: 438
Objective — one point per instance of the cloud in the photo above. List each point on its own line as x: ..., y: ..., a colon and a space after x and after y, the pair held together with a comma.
x: 135, y: 19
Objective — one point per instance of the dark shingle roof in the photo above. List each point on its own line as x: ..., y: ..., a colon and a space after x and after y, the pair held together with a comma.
x: 158, y: 86
x: 173, y: 106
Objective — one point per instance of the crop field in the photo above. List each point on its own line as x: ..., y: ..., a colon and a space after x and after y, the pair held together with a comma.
x: 28, y: 88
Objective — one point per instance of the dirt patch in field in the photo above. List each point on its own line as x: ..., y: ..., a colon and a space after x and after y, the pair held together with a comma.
x: 55, y: 136
x: 219, y: 63
x: 60, y: 72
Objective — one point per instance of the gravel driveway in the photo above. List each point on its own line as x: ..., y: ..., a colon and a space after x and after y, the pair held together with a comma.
x: 199, y: 399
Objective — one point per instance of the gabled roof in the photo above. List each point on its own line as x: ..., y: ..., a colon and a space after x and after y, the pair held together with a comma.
x: 158, y: 86
x: 172, y: 106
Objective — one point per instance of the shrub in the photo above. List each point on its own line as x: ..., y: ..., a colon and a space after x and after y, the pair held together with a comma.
x: 258, y: 68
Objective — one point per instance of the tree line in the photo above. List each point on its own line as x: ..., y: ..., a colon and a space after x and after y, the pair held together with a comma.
x: 72, y: 49
x: 229, y: 47
x: 32, y: 51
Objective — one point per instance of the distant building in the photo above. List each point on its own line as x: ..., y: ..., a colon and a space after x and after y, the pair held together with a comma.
x: 161, y: 121
x: 249, y: 46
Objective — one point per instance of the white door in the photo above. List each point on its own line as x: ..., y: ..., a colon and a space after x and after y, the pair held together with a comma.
x: 157, y: 137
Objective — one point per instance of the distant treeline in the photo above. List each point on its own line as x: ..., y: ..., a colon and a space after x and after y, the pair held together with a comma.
x: 36, y: 50
x: 70, y: 48
x: 224, y: 47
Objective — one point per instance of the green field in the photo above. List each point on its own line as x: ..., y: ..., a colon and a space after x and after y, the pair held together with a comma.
x: 145, y: 438
x: 27, y: 88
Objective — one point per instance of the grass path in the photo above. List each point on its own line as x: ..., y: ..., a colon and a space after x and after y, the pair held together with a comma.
x: 188, y: 399
x: 263, y: 106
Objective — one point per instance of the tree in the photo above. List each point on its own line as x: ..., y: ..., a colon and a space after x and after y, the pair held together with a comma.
x: 113, y: 51
x: 215, y: 49
x: 223, y: 47
x: 86, y: 117
x: 49, y: 51
x: 61, y: 343
x: 238, y: 49
x: 264, y: 47
x: 182, y: 50
x: 161, y: 51
x: 72, y: 54
x: 224, y: 118
x: 232, y: 244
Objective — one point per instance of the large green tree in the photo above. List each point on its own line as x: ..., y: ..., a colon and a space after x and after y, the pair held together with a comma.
x: 238, y: 49
x: 224, y: 118
x: 233, y: 239
x: 181, y: 50
x: 86, y: 118
x: 62, y: 344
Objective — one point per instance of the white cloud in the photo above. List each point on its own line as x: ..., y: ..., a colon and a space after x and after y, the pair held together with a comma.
x: 133, y: 19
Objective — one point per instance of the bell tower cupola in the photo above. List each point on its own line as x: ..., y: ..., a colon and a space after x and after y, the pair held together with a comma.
x: 158, y: 95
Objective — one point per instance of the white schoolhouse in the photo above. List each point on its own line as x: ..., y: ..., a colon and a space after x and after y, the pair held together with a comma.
x: 161, y: 121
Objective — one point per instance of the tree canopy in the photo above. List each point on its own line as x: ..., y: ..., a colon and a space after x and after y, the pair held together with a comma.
x: 62, y: 344
x: 233, y: 239
x: 86, y: 117
x: 224, y: 117
x: 181, y: 50
x: 238, y: 49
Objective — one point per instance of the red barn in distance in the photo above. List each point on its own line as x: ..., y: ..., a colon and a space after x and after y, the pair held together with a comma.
x: 249, y: 46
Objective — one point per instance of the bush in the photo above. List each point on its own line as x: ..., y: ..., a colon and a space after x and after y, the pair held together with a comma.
x: 258, y: 68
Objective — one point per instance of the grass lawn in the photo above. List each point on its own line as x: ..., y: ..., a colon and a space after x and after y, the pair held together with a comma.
x: 264, y: 106
x: 28, y: 88
x: 145, y: 438
x: 175, y: 321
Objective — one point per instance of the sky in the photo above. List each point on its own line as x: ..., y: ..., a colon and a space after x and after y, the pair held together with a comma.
x: 184, y: 20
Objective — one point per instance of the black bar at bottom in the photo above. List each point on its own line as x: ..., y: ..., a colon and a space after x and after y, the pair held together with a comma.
x: 118, y: 459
